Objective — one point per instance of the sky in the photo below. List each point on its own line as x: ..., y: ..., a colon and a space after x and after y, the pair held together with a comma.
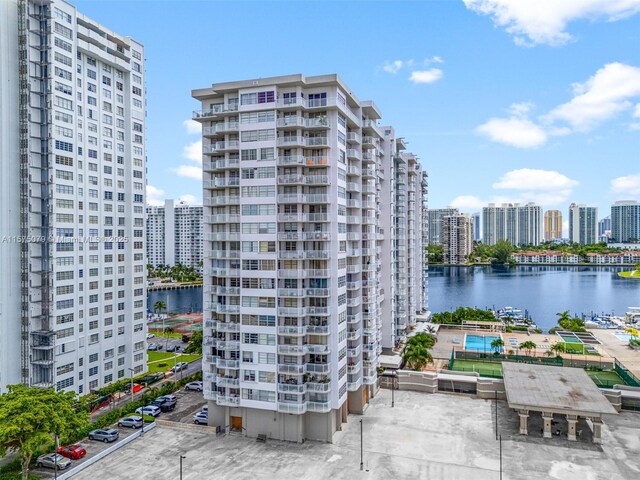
x: 501, y: 101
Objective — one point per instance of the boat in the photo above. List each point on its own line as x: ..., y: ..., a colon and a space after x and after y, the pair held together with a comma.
x: 514, y: 317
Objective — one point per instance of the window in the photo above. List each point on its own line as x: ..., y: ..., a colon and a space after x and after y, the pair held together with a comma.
x: 63, y: 59
x: 66, y: 46
x: 317, y: 100
x: 257, y: 135
x: 62, y: 30
x: 64, y: 103
x: 66, y: 146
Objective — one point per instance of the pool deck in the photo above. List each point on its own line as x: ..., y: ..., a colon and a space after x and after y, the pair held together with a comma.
x: 615, y: 347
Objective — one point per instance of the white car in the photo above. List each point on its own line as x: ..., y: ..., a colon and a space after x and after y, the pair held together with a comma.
x: 148, y: 410
x: 150, y: 335
x: 201, y: 418
x: 197, y: 386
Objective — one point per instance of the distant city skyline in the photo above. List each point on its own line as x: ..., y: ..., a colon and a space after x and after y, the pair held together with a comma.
x: 515, y: 108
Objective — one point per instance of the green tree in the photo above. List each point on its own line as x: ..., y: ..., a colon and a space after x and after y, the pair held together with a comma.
x: 502, y: 251
x: 528, y: 346
x: 435, y: 253
x: 417, y: 357
x: 423, y: 339
x: 558, y: 347
x: 497, y: 344
x: 159, y: 306
x: 195, y: 343
x: 30, y: 417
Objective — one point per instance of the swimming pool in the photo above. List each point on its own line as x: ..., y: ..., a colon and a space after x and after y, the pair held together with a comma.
x: 625, y: 337
x: 480, y: 343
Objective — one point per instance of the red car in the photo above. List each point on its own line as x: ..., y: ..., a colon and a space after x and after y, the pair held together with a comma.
x: 74, y: 452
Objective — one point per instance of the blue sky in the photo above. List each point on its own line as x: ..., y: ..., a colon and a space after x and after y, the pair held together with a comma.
x: 501, y: 101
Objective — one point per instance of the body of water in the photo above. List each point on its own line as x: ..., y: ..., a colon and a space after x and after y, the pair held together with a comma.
x: 180, y: 300
x: 543, y: 290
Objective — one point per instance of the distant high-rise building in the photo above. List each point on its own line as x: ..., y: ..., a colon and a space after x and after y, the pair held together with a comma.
x: 314, y: 252
x: 518, y: 224
x: 174, y: 235
x: 552, y: 225
x: 477, y: 224
x: 72, y: 155
x: 456, y: 239
x: 435, y: 216
x: 625, y: 222
x: 583, y: 224
x: 604, y: 228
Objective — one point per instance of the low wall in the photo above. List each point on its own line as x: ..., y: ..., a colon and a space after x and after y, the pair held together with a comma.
x: 186, y: 426
x: 105, y: 452
x: 417, y: 381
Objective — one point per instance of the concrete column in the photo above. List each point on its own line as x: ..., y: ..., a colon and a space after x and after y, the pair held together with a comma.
x: 572, y: 420
x: 597, y: 430
x: 547, y: 417
x: 524, y: 417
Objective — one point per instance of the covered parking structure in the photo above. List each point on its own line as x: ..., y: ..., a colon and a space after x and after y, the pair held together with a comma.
x: 553, y: 391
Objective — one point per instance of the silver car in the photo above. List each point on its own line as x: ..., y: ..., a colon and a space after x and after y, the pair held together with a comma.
x: 197, y: 386
x: 104, y: 434
x: 53, y: 460
x: 133, y: 422
x: 201, y: 418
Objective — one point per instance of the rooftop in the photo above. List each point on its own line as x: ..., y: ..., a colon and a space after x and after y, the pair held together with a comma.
x: 553, y: 389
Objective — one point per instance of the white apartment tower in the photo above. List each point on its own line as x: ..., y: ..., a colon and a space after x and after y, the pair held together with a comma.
x: 435, y: 216
x: 296, y: 227
x: 457, y: 238
x: 73, y: 160
x: 519, y: 224
x: 583, y: 224
x: 174, y: 234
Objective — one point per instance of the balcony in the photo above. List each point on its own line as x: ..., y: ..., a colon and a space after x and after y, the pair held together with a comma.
x: 219, y: 147
x: 318, y: 368
x: 228, y: 400
x: 222, y: 200
x: 209, y: 376
x: 353, y: 137
x: 353, y: 368
x: 291, y: 198
x: 353, y: 334
x: 220, y: 128
x: 227, y: 345
x: 317, y: 330
x: 317, y: 292
x: 220, y: 308
x: 316, y: 161
x: 284, y: 160
x: 354, y: 154
x: 317, y: 142
x: 227, y: 382
x: 292, y: 331
x: 354, y: 236
x: 230, y: 364
x: 354, y: 352
x: 291, y: 349
x: 316, y: 180
x: 291, y: 292
x: 353, y: 187
x: 353, y: 302
x: 354, y: 318
x: 292, y: 217
x: 291, y: 388
x: 368, y: 172
x: 295, y: 103
x: 215, y: 111
x: 291, y: 179
x: 353, y: 268
x: 291, y: 121
x: 227, y: 327
x: 318, y: 387
x: 221, y: 237
x: 292, y: 311
x: 353, y: 386
x: 316, y: 254
x: 354, y: 285
x: 369, y: 141
x: 311, y: 348
x: 291, y: 369
x: 369, y: 379
x: 292, y: 141
x: 353, y: 253
x: 221, y: 218
x: 296, y: 408
x: 319, y: 407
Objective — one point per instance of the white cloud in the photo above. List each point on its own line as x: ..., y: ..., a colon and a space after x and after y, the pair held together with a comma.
x: 467, y: 203
x: 436, y: 59
x: 154, y: 196
x: 534, y: 179
x: 514, y: 131
x: 193, y: 151
x: 629, y: 184
x: 636, y: 111
x: 189, y: 171
x: 393, y: 67
x: 545, y: 23
x: 192, y: 127
x: 426, y: 76
x: 602, y: 96
x: 189, y: 199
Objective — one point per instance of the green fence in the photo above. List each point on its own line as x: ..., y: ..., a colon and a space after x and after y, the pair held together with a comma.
x: 628, y: 377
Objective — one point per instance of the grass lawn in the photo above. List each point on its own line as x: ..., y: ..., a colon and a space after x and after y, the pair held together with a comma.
x: 607, y: 379
x: 165, y: 335
x: 631, y: 274
x: 163, y: 361
x: 483, y: 368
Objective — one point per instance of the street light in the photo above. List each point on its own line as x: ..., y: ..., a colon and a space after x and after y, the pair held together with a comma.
x: 393, y: 389
x: 131, y: 370
x: 361, y: 448
x: 181, y: 458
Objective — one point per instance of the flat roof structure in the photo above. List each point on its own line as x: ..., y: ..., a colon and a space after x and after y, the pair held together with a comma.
x: 554, y: 390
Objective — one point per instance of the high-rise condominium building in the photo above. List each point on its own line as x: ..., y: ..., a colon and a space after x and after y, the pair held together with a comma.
x: 457, y: 241
x: 477, y: 224
x: 552, y: 225
x: 311, y: 210
x: 518, y: 224
x: 583, y: 224
x: 625, y: 221
x: 73, y: 188
x: 435, y: 216
x: 604, y: 228
x: 174, y: 235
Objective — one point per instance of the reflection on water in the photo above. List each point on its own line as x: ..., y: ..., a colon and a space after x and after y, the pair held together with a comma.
x: 182, y: 300
x: 542, y: 290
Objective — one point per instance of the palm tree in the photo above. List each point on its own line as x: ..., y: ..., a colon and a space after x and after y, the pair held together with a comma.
x: 497, y: 344
x: 558, y: 347
x: 528, y: 346
x: 159, y: 306
x: 417, y: 357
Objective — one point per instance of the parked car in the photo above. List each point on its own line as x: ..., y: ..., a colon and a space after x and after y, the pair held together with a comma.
x: 53, y: 460
x: 74, y: 452
x: 173, y: 348
x: 205, y: 408
x: 152, y: 410
x: 150, y: 335
x: 186, y: 338
x: 197, y: 386
x: 152, y: 347
x: 201, y: 418
x: 163, y: 405
x: 179, y: 366
x: 104, y: 434
x: 132, y: 421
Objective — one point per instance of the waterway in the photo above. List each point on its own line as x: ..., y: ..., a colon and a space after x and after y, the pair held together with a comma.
x: 180, y: 300
x: 542, y: 290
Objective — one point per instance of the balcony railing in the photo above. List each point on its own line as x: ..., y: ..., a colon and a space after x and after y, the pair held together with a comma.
x: 228, y: 400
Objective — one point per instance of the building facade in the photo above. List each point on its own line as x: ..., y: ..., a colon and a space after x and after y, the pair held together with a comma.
x: 74, y: 164
x: 552, y: 225
x: 434, y: 217
x: 625, y: 222
x: 174, y: 235
x: 302, y: 191
x: 519, y: 224
x: 477, y: 226
x: 583, y: 222
x: 457, y: 238
x: 604, y: 229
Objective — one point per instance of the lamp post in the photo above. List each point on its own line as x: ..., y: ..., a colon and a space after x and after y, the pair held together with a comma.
x: 361, y: 448
x: 181, y: 458
x: 500, y: 457
x: 131, y: 370
x: 393, y: 389
x: 496, y: 403
x: 55, y: 456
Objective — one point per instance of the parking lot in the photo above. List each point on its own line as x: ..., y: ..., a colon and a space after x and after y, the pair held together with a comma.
x: 189, y: 402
